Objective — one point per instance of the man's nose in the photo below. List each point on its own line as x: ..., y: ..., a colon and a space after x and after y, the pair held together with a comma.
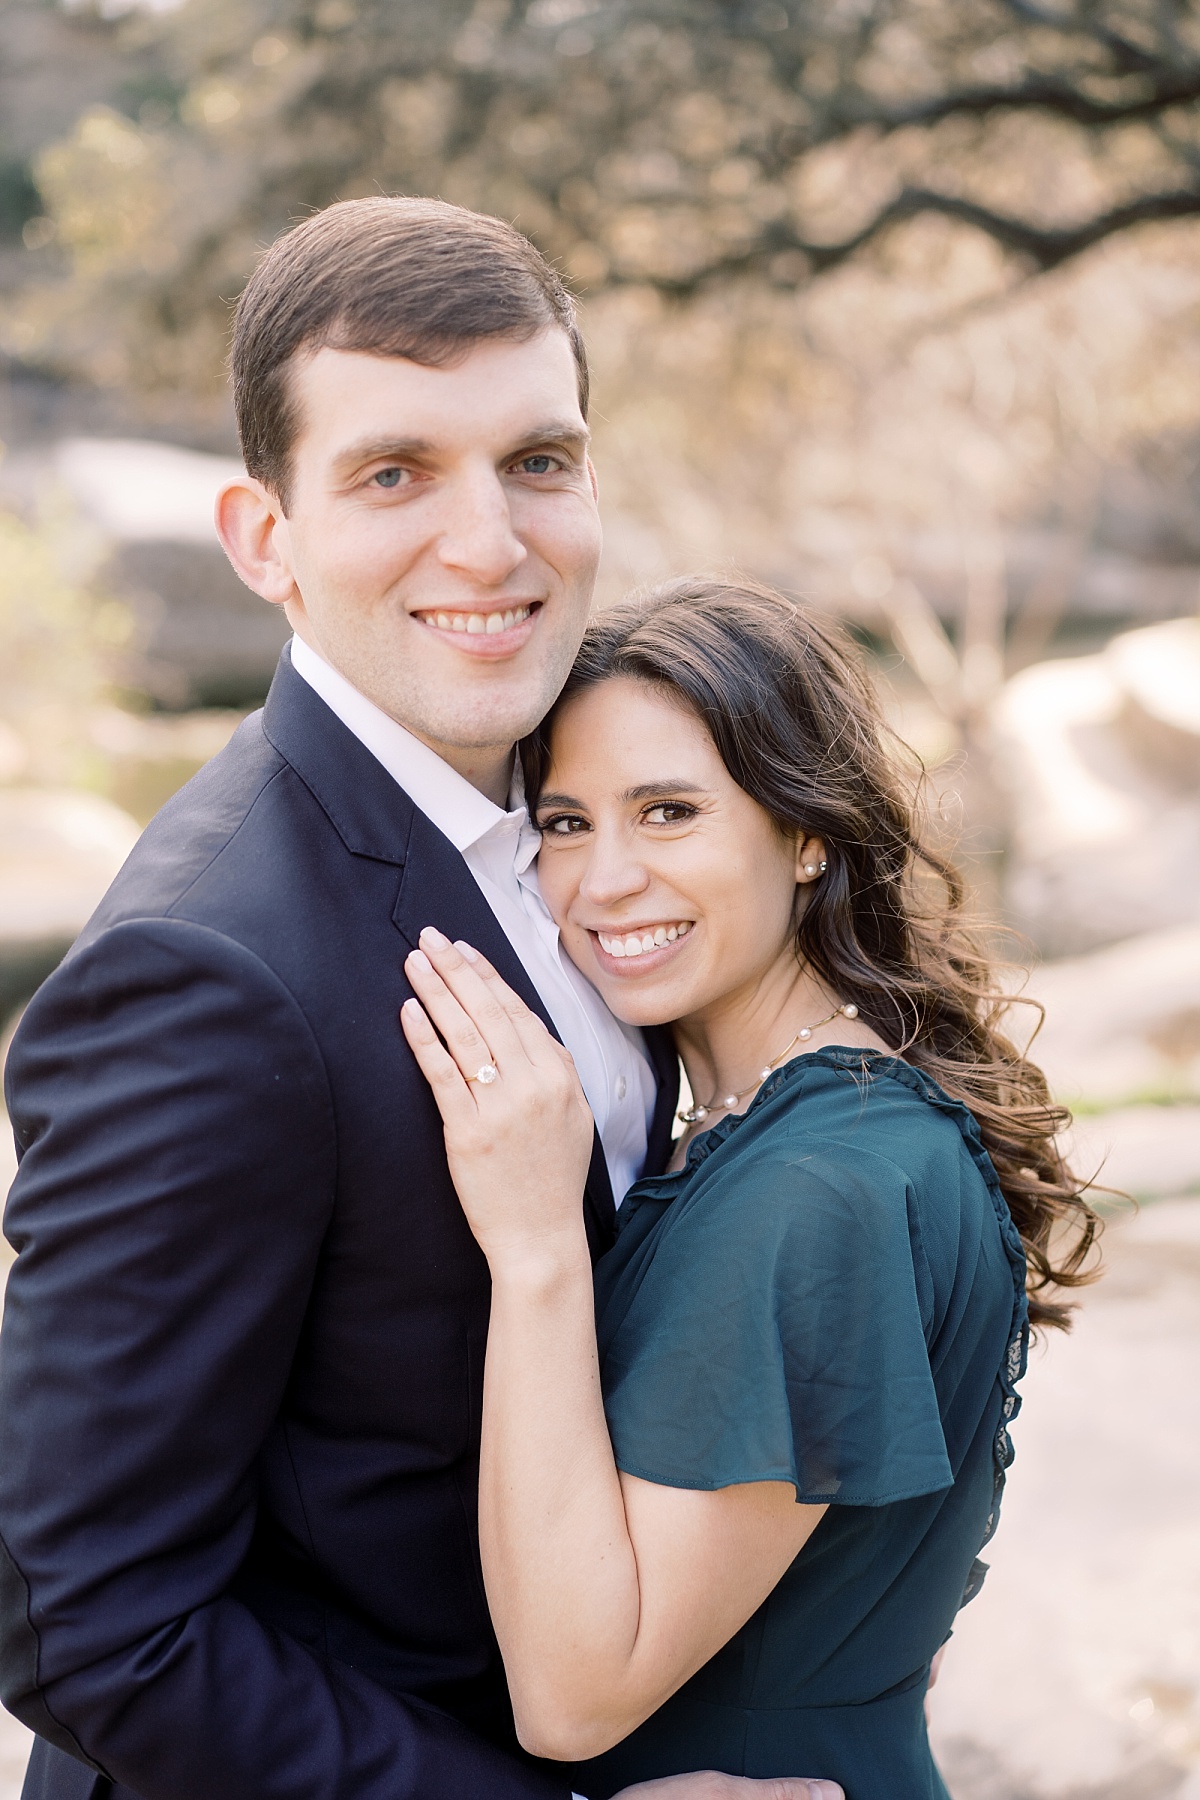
x: 478, y: 539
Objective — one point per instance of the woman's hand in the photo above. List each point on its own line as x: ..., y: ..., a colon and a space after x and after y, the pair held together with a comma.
x: 607, y: 1592
x: 518, y: 1140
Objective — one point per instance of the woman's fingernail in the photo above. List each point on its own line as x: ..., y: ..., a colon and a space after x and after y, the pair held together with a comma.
x: 467, y: 950
x: 433, y: 937
x: 418, y: 960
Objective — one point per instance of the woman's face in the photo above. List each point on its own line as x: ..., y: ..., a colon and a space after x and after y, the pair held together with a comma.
x: 673, y: 890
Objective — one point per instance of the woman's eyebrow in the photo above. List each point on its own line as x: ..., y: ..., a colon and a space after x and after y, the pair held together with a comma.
x: 649, y: 790
x: 659, y: 790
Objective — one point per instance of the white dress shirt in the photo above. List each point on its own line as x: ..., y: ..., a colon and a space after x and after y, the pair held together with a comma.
x: 500, y: 849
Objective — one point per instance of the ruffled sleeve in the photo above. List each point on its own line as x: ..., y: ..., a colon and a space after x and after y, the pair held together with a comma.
x: 774, y: 1328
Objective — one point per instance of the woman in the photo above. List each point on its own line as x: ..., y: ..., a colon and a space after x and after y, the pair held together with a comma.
x: 728, y: 1524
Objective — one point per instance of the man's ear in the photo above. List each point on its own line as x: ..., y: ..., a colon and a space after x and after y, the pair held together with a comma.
x: 591, y: 469
x: 254, y: 534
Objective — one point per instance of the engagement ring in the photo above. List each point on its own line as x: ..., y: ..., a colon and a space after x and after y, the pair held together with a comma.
x: 486, y: 1074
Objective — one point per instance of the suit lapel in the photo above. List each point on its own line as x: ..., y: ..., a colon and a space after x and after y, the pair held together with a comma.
x: 375, y: 818
x: 439, y: 889
x: 664, y: 1059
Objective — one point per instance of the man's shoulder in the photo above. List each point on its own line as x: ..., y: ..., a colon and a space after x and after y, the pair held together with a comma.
x: 242, y: 794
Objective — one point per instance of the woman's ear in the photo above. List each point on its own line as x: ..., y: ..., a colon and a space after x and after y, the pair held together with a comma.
x: 811, y: 861
x: 253, y: 530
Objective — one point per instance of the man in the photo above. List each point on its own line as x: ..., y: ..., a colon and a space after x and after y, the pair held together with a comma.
x: 241, y: 1362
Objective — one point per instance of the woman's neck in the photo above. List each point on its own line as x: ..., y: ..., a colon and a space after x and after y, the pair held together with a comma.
x: 726, y: 1046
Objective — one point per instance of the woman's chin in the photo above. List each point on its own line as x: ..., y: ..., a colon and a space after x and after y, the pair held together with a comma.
x: 642, y: 989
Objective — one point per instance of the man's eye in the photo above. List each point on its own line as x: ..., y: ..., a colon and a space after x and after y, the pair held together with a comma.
x: 537, y: 465
x: 669, y: 812
x: 388, y: 478
x: 563, y: 825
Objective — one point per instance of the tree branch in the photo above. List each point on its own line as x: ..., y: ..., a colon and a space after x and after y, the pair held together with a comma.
x: 1045, y: 248
x: 1131, y: 57
x: 1039, y: 93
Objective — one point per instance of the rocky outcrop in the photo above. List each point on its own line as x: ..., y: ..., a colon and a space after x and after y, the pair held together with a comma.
x: 59, y: 850
x: 205, y: 639
x: 1123, y: 1024
x: 1101, y: 759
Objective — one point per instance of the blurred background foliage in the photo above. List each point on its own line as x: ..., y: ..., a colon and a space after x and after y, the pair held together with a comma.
x: 895, y: 303
x: 892, y: 302
x: 854, y: 271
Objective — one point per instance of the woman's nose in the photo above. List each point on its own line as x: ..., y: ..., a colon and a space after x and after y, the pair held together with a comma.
x: 479, y: 540
x: 612, y: 873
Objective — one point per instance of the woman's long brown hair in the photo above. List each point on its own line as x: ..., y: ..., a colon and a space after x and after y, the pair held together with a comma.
x: 795, y: 718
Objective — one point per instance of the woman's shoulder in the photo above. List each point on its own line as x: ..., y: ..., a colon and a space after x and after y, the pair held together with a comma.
x: 851, y: 1148
x: 842, y: 1110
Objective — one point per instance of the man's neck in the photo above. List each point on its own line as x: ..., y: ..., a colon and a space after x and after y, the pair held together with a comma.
x: 488, y: 770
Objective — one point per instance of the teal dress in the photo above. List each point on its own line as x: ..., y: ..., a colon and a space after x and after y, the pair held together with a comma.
x: 830, y: 1293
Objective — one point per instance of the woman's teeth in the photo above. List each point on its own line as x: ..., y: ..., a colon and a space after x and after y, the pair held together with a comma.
x: 488, y: 624
x: 636, y: 944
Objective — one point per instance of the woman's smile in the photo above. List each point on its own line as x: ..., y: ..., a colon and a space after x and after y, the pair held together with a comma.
x: 671, y: 887
x: 646, y: 946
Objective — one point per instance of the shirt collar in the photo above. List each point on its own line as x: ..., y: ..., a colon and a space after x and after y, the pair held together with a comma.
x: 460, y: 812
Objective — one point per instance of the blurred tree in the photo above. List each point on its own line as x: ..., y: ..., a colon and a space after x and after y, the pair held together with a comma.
x: 805, y: 232
x: 663, y: 143
x: 63, y: 645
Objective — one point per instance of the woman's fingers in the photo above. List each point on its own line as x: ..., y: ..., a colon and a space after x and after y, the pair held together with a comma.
x: 464, y: 1039
x: 530, y: 1029
x: 473, y: 994
x: 439, y: 1068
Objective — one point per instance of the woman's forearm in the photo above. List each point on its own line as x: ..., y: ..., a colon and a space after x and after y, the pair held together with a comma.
x: 608, y: 1591
x: 560, y: 1568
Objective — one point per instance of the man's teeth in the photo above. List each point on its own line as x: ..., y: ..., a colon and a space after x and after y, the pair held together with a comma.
x: 488, y: 624
x: 637, y: 944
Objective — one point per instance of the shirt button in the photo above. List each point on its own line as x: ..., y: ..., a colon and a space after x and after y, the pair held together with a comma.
x: 622, y: 1087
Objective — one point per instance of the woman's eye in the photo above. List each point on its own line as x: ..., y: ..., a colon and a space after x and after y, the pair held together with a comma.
x: 563, y: 825
x: 669, y: 812
x: 388, y: 478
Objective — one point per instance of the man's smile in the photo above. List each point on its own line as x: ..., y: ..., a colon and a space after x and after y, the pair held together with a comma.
x: 496, y: 631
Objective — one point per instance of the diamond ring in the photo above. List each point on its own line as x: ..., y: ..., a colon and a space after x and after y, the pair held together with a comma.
x: 485, y: 1074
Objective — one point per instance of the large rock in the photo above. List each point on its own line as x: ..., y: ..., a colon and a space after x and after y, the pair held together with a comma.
x: 1101, y: 758
x: 1122, y: 1024
x: 59, y: 850
x: 206, y: 639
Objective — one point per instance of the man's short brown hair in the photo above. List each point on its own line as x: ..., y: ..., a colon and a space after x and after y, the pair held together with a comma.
x: 392, y: 277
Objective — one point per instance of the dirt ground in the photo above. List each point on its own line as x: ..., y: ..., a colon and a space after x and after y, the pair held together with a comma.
x: 1076, y: 1674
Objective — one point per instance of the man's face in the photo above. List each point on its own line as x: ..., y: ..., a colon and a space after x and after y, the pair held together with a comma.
x: 442, y: 534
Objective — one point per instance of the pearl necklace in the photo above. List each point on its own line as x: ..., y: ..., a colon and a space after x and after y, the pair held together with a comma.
x: 696, y: 1115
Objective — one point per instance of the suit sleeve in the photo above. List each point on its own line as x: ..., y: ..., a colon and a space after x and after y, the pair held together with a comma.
x: 177, y: 1141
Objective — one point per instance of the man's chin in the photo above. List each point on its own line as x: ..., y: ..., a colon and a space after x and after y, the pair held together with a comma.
x: 494, y: 716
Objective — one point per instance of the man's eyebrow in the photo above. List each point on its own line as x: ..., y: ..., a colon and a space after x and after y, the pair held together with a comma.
x: 565, y: 436
x: 558, y: 434
x: 370, y: 449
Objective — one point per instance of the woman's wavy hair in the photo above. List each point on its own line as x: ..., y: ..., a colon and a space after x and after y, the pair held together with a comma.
x: 791, y: 709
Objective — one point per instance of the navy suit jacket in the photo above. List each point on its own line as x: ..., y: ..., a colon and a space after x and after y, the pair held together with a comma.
x: 242, y: 1354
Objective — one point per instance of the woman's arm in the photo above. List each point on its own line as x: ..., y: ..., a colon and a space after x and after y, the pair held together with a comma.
x: 607, y: 1592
